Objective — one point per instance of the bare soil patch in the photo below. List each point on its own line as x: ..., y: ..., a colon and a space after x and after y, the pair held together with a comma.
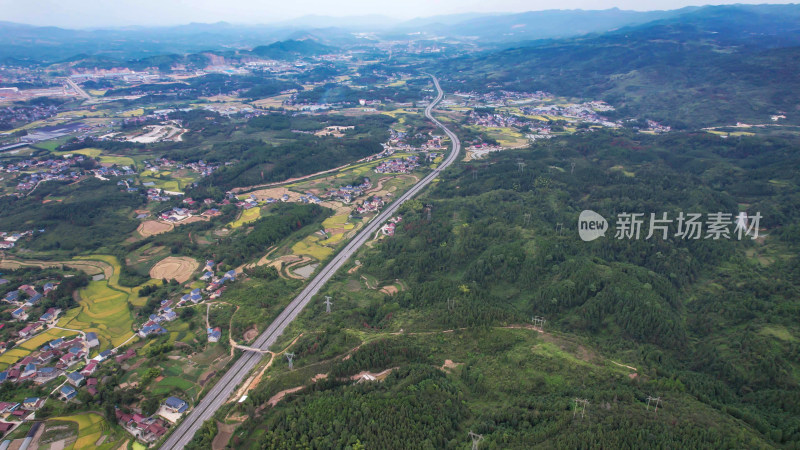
x: 152, y: 227
x: 224, y: 433
x: 250, y: 334
x: 389, y: 290
x: 173, y: 267
x: 279, y: 396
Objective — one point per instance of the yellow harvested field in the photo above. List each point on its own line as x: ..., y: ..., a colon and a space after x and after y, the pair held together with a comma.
x: 103, y: 310
x: 91, y: 427
x: 310, y: 246
x: 45, y: 337
x: 12, y: 356
x: 174, y: 267
x: 247, y: 216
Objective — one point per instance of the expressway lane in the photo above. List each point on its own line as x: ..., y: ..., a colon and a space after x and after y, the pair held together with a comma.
x: 241, y: 368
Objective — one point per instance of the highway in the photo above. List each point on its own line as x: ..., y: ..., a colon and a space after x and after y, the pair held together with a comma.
x: 223, y: 389
x: 78, y: 89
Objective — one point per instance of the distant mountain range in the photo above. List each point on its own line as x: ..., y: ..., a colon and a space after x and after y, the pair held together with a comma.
x: 707, y: 66
x: 51, y: 44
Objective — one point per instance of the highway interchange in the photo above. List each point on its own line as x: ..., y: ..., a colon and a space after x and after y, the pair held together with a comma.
x: 242, y: 367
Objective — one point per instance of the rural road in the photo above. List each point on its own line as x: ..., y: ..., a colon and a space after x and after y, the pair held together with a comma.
x: 223, y: 389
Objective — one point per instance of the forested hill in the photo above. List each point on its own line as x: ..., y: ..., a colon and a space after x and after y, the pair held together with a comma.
x: 712, y: 66
x: 709, y: 326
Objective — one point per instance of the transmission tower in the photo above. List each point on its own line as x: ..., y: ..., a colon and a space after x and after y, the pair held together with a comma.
x: 328, y: 304
x: 655, y: 401
x: 476, y: 438
x: 538, y: 322
x: 290, y: 357
x: 579, y: 401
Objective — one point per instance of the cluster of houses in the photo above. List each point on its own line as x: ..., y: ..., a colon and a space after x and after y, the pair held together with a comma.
x: 346, y: 194
x: 175, y: 214
x: 497, y: 120
x: 56, y: 358
x: 389, y: 227
x: 585, y: 112
x: 46, y: 169
x: 26, y: 114
x: 9, y: 239
x: 399, y: 165
x: 201, y: 167
x: 656, y: 127
x: 103, y: 173
x: 503, y: 98
x: 216, y: 285
x: 25, y: 298
x: 370, y: 205
x: 155, y: 194
x: 150, y: 429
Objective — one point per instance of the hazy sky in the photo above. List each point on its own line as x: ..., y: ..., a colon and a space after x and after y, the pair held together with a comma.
x: 99, y: 13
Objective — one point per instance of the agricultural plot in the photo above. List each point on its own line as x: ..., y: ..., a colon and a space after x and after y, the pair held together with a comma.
x: 247, y: 216
x: 174, y: 268
x: 103, y: 310
x: 311, y: 246
x: 91, y: 428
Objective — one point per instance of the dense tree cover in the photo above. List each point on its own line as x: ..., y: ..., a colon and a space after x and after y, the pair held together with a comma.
x: 261, y: 162
x: 710, y: 323
x: 89, y: 215
x: 425, y: 405
x: 279, y: 221
x: 710, y: 67
x: 252, y: 86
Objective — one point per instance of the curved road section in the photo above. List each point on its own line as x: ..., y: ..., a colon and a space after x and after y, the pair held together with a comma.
x: 242, y: 367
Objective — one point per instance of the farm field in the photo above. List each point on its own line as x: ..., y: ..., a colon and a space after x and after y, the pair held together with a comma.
x: 247, y: 216
x: 172, y: 267
x: 91, y: 428
x: 103, y: 310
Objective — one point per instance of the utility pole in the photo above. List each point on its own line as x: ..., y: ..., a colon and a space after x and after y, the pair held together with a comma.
x: 476, y: 438
x: 655, y: 401
x: 290, y: 356
x: 538, y: 322
x: 328, y: 304
x: 577, y: 402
